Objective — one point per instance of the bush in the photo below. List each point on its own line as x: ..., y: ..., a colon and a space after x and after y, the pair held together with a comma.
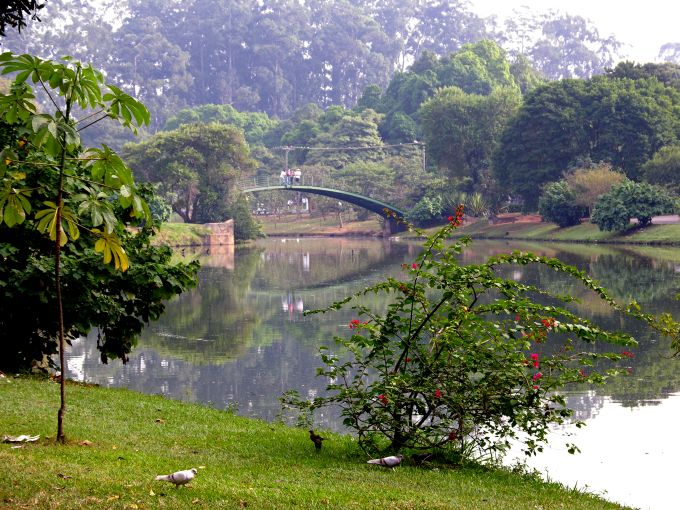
x: 558, y: 205
x: 640, y: 200
x: 463, y: 359
x: 428, y: 210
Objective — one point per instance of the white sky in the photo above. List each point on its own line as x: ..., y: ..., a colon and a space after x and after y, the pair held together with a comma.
x: 642, y: 26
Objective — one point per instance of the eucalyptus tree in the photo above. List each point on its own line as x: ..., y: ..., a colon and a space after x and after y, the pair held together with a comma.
x: 347, y: 51
x: 443, y: 26
x: 64, y: 209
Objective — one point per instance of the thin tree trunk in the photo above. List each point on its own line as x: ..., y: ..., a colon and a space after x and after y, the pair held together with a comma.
x: 61, y: 437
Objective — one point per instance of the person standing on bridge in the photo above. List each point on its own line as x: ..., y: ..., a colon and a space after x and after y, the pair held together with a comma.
x: 297, y: 175
x: 282, y: 177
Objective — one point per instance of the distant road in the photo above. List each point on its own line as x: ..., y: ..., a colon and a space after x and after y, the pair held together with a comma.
x: 665, y: 220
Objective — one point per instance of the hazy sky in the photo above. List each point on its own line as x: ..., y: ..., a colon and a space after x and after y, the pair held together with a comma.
x: 643, y: 26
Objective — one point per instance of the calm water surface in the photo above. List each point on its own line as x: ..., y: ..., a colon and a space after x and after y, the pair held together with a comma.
x: 240, y: 339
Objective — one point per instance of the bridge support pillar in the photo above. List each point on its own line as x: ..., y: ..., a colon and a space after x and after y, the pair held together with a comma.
x: 391, y: 226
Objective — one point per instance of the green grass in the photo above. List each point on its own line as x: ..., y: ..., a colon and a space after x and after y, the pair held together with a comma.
x: 241, y: 462
x: 181, y: 234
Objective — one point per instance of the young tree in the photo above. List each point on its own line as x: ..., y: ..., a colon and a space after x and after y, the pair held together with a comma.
x: 62, y: 208
x: 464, y: 360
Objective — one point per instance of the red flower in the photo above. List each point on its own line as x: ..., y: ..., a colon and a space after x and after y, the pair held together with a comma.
x: 353, y: 323
x: 383, y: 399
x: 438, y: 394
x: 537, y: 376
x: 414, y: 265
x: 549, y: 322
x: 534, y: 357
x: 450, y: 218
x: 408, y: 360
x: 517, y: 318
x: 627, y: 354
x: 535, y: 386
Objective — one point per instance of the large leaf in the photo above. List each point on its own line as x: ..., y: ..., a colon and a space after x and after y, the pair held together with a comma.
x: 14, y: 204
x: 98, y: 208
x: 109, y: 245
x: 124, y: 108
x: 47, y: 223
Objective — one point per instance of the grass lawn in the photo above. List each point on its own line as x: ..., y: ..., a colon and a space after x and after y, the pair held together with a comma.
x: 119, y: 440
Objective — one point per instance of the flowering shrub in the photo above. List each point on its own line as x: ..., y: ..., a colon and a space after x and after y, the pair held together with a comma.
x: 464, y: 359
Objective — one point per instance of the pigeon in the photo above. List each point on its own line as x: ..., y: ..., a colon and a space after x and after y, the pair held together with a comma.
x: 391, y: 461
x: 316, y: 439
x: 180, y: 477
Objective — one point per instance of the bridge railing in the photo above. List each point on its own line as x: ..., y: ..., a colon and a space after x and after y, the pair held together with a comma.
x: 266, y: 181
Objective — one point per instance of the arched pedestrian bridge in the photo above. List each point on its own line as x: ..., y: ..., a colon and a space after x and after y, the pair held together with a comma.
x: 330, y: 188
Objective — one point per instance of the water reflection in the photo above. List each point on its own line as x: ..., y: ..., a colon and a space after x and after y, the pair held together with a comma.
x: 241, y: 338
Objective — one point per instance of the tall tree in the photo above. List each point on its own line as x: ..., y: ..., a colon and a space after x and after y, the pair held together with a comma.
x: 560, y: 124
x: 462, y: 130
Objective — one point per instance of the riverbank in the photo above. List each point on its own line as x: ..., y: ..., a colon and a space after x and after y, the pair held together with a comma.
x: 510, y: 227
x: 530, y: 228
x: 118, y: 440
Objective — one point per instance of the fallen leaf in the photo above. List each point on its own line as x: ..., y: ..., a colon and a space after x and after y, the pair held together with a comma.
x: 160, y: 420
x: 243, y: 504
x: 112, y: 498
x: 132, y: 505
x: 201, y: 467
x: 152, y: 493
x: 114, y: 447
x: 16, y: 447
x: 85, y: 443
x: 194, y: 501
x: 62, y: 475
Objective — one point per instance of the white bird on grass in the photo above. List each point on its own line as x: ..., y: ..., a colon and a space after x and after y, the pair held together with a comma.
x: 391, y: 461
x: 179, y: 477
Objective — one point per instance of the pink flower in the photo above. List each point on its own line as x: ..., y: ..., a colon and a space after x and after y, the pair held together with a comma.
x: 438, y: 394
x: 537, y: 376
x: 414, y: 265
x: 353, y: 323
x: 535, y: 386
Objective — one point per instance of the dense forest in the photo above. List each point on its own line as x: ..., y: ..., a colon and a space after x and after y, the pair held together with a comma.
x: 454, y: 107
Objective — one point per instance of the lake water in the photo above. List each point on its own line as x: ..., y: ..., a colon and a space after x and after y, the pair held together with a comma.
x: 240, y: 340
